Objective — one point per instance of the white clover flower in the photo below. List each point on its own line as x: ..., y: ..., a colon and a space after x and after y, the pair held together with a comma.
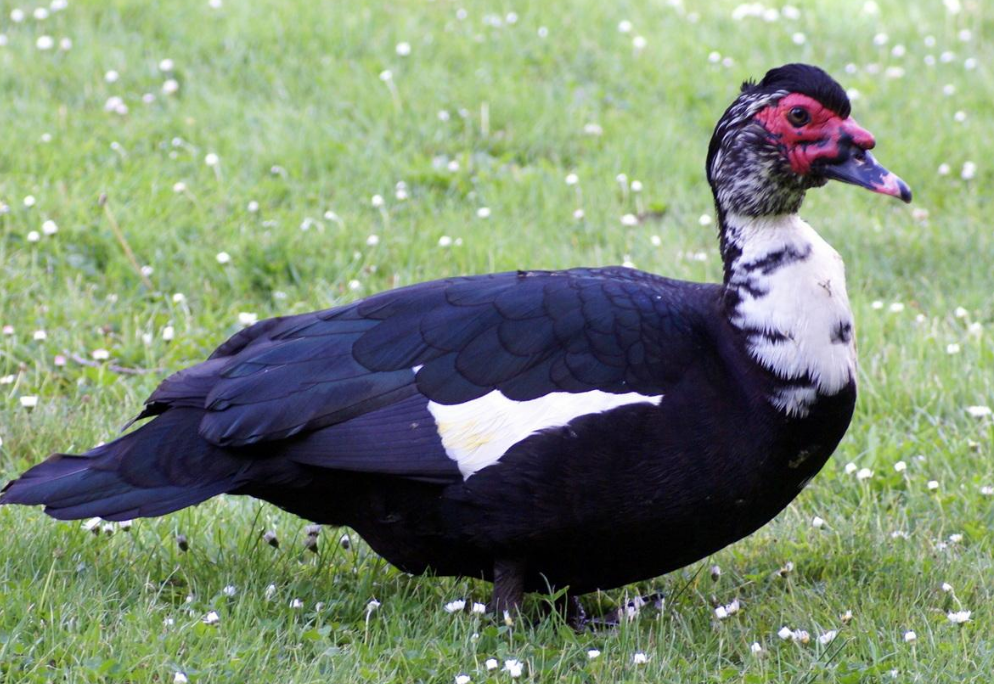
x: 900, y: 466
x: 960, y: 117
x: 817, y: 522
x: 17, y: 15
x: 943, y: 169
x: 593, y: 653
x: 955, y: 538
x: 952, y: 348
x: 247, y: 318
x: 896, y: 307
x: 92, y: 525
x: 513, y: 667
x: 932, y: 485
x: 252, y: 206
x: 629, y: 220
x: 212, y: 159
x: 756, y: 648
x: 376, y: 201
x: 850, y: 468
x: 180, y: 678
x: 223, y: 257
x: 572, y: 179
x: 296, y: 604
x: 491, y: 664
x: 29, y: 401
x: 624, y: 26
x: 979, y: 411
x: 463, y: 679
x: 786, y: 633
x: 864, y: 474
x: 372, y: 605
x: 355, y: 285
x: 959, y: 617
x: 386, y: 75
x: 640, y: 658
x: 100, y: 354
x: 34, y: 236
x: 39, y: 335
x: 578, y: 214
x: 969, y: 170
x: 799, y: 38
x: 65, y: 44
x: 828, y: 637
x: 655, y: 240
x: 229, y: 590
x: 270, y: 592
x: 483, y: 212
x: 455, y: 606
x: 112, y: 76
x: 987, y: 490
x: 947, y: 587
x: 970, y: 63
x: 910, y: 637
x: 479, y: 608
x: 170, y: 86
x: 373, y: 240
x: 49, y: 227
x: 639, y: 42
x: 445, y: 241
x: 714, y: 56
x: 543, y: 32
x: 212, y: 618
x: 45, y: 43
x: 403, y: 49
x: 593, y: 129
x: 877, y: 305
x: 168, y: 333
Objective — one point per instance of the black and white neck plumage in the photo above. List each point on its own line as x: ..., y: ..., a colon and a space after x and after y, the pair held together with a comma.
x: 584, y: 428
x: 785, y: 286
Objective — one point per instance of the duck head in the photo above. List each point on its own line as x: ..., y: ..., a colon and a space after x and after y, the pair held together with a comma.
x: 788, y: 133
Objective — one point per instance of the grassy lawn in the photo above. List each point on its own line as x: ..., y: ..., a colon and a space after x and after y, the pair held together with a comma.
x: 358, y: 146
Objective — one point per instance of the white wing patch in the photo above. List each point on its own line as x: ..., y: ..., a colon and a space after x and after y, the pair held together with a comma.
x: 477, y: 433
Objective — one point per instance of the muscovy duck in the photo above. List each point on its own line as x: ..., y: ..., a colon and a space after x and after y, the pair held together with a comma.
x: 584, y: 428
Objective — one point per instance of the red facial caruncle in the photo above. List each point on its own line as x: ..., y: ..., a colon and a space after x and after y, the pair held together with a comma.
x: 809, y: 131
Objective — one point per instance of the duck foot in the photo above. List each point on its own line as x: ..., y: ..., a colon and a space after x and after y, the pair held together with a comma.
x: 576, y: 616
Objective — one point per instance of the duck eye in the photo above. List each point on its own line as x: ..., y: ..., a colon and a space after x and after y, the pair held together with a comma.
x: 798, y: 116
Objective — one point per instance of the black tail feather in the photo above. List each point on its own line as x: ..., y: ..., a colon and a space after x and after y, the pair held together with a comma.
x: 161, y: 467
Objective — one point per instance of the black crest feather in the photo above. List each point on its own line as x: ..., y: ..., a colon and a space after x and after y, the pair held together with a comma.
x: 806, y: 80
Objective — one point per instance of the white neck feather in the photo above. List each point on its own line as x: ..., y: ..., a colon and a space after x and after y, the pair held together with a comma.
x: 793, y: 305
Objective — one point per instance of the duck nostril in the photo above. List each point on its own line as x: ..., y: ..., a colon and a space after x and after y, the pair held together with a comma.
x: 859, y: 155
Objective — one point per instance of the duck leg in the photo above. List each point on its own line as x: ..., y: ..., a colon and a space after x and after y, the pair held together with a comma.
x: 509, y: 586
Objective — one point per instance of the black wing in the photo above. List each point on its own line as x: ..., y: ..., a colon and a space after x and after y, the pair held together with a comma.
x: 451, y: 341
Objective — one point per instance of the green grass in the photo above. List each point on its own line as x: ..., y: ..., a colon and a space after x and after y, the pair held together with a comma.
x: 288, y: 95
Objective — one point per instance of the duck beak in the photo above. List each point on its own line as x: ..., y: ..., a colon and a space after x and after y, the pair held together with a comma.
x: 857, y: 166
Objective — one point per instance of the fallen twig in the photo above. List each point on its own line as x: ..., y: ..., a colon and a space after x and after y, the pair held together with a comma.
x: 123, y: 370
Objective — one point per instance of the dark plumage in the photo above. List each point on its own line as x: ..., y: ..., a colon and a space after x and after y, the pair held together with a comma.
x: 583, y: 428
